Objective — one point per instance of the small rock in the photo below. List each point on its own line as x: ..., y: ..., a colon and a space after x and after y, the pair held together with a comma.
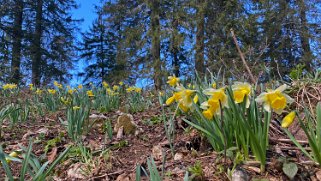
x: 138, y: 131
x: 28, y: 134
x: 254, y: 169
x: 157, y: 152
x: 178, y: 156
x: 123, y: 177
x: 43, y: 131
x: 95, y: 116
x: 120, y: 133
x: 76, y: 172
x: 240, y: 175
x: 127, y: 122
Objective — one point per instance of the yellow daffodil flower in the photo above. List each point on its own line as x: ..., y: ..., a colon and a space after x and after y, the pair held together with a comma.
x: 212, y: 105
x: 208, y: 114
x: 105, y: 85
x: 214, y: 85
x: 121, y: 83
x: 183, y: 97
x: 31, y: 86
x: 217, y: 94
x: 288, y: 119
x: 12, y: 154
x: 274, y: 99
x: 129, y: 89
x: 172, y: 80
x: 52, y: 91
x: 70, y: 91
x: 80, y: 86
x: 90, y: 93
x: 170, y: 100
x: 240, y: 91
x: 109, y: 91
x: 115, y: 87
x: 75, y: 108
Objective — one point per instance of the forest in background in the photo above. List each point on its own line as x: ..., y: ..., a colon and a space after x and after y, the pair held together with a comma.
x: 152, y: 39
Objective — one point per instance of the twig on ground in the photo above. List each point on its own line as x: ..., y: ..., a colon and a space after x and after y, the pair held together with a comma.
x: 287, y: 141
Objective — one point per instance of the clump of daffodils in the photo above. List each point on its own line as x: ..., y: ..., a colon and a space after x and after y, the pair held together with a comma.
x: 111, y: 92
x: 134, y: 89
x: 65, y: 101
x: 38, y: 91
x: 9, y: 86
x: 90, y: 93
x: 115, y: 87
x: 105, y: 85
x: 57, y: 85
x: 275, y: 100
x: 52, y: 91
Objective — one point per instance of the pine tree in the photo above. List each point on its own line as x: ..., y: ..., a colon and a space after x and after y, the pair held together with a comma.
x: 51, y: 33
x: 200, y: 33
x: 99, y: 48
x: 17, y: 41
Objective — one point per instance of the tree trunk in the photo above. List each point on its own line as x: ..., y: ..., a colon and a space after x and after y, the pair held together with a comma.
x: 199, y: 59
x: 304, y: 34
x: 155, y: 31
x: 17, y: 39
x: 36, y: 61
x: 102, y: 56
x: 174, y: 47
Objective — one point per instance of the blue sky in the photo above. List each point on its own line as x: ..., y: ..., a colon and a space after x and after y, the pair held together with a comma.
x: 86, y: 11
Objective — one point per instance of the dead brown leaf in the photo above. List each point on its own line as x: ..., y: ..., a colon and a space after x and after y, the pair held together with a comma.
x: 52, y: 155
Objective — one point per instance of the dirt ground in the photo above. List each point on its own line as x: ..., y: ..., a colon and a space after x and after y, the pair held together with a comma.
x: 120, y: 160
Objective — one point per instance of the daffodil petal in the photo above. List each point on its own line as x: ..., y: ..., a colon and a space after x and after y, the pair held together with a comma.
x: 261, y: 98
x: 278, y: 111
x: 267, y: 107
x: 204, y: 105
x: 288, y: 98
x: 288, y: 119
x: 282, y: 88
x: 247, y: 102
x: 209, y: 91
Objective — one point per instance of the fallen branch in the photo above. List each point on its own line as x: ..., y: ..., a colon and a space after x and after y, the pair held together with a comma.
x: 287, y: 141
